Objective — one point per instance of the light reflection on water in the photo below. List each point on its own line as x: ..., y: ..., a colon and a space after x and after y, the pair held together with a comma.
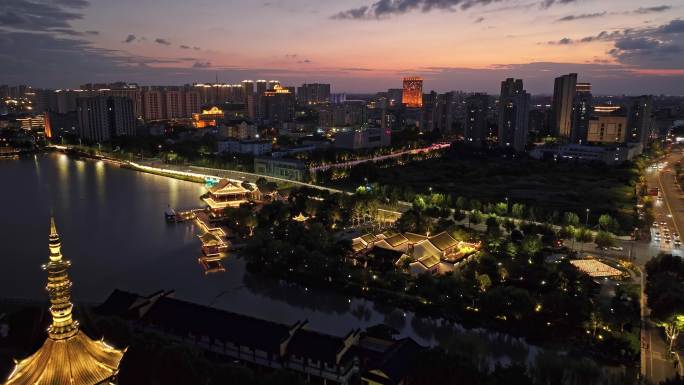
x: 114, y: 232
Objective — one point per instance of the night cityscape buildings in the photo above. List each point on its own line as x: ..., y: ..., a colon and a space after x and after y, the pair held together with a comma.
x: 389, y: 192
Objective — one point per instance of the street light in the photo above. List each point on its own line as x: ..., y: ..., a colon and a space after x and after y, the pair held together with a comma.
x: 586, y: 223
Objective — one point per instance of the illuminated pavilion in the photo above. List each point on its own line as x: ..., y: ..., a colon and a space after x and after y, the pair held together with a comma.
x: 68, y: 356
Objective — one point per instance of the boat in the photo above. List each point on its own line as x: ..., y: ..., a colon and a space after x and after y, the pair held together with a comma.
x: 170, y: 214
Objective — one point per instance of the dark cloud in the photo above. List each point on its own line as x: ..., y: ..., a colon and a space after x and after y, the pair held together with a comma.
x: 161, y: 41
x: 479, y: 20
x: 550, y: 3
x: 73, y: 3
x: 582, y: 16
x: 385, y: 8
x: 25, y: 15
x: 305, y: 61
x: 129, y: 39
x: 199, y: 64
x: 660, y: 47
x: 196, y: 48
x: 183, y: 46
x: 381, y: 9
x: 646, y: 10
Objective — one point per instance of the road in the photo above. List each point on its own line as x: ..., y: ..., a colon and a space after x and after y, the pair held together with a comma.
x: 655, y: 363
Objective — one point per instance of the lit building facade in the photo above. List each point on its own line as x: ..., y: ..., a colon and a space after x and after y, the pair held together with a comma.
x: 68, y: 356
x: 607, y: 129
x: 412, y: 94
x: 581, y: 112
x: 641, y: 119
x: 208, y: 118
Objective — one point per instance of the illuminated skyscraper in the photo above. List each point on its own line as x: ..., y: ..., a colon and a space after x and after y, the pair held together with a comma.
x: 412, y: 95
x: 581, y: 112
x: 68, y: 356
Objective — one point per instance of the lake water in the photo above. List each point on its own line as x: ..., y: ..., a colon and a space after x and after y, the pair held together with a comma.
x: 113, y: 230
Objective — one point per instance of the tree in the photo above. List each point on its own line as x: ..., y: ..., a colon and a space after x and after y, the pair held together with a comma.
x: 583, y: 236
x: 665, y: 293
x: 518, y: 210
x: 570, y: 219
x: 501, y: 209
x: 484, y: 282
x: 604, y: 239
x: 475, y: 217
x: 531, y: 245
x: 493, y: 228
x: 608, y: 223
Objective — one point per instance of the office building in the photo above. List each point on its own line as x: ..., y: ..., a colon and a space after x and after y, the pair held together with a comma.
x: 101, y: 117
x: 564, y: 91
x: 66, y: 100
x: 514, y: 113
x: 475, y: 127
x: 412, y: 93
x: 278, y: 105
x: 581, y: 112
x: 314, y: 93
x: 284, y: 168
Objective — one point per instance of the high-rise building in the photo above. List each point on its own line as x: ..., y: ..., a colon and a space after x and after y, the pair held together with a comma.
x: 514, y: 113
x: 101, y: 117
x: 192, y: 102
x: 563, y: 95
x: 271, y: 85
x: 247, y: 88
x: 261, y: 87
x: 412, y: 93
x: 153, y: 104
x: 475, y: 125
x: 581, y: 112
x: 66, y: 100
x: 278, y: 105
x: 173, y: 104
x: 640, y: 119
x: 68, y: 356
x: 314, y: 93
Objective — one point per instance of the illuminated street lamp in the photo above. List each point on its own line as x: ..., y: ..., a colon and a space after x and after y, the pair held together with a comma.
x: 586, y: 223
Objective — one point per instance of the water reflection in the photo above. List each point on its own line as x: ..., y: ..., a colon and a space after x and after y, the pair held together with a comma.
x: 120, y: 240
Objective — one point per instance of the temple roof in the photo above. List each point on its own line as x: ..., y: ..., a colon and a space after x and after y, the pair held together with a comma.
x: 443, y: 241
x: 224, y: 186
x: 75, y: 360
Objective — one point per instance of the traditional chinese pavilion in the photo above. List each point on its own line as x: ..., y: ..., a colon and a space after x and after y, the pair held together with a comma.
x: 68, y: 356
x: 227, y: 194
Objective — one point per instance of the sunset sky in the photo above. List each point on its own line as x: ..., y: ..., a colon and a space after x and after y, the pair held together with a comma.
x: 621, y: 46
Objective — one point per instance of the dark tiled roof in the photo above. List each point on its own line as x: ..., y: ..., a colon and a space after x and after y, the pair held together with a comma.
x: 396, y: 240
x: 117, y: 304
x: 396, y: 363
x: 307, y: 343
x: 414, y: 238
x: 180, y: 317
x: 443, y: 241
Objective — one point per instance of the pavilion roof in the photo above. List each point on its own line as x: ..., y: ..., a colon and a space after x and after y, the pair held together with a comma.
x: 74, y: 360
x: 224, y: 187
x: 443, y: 241
x: 414, y: 238
x: 396, y: 240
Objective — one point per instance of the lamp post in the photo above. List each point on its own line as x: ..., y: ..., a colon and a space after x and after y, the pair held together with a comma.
x: 508, y: 208
x: 586, y: 223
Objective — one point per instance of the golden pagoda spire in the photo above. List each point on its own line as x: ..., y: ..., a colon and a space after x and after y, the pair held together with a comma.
x: 59, y: 289
x: 68, y: 356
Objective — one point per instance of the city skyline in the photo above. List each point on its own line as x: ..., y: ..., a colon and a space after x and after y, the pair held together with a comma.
x: 358, y: 46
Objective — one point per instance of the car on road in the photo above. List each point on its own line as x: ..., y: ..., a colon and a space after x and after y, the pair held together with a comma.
x: 617, y: 248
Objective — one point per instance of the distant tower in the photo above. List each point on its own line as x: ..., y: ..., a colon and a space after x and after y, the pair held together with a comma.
x: 412, y: 95
x: 67, y: 356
